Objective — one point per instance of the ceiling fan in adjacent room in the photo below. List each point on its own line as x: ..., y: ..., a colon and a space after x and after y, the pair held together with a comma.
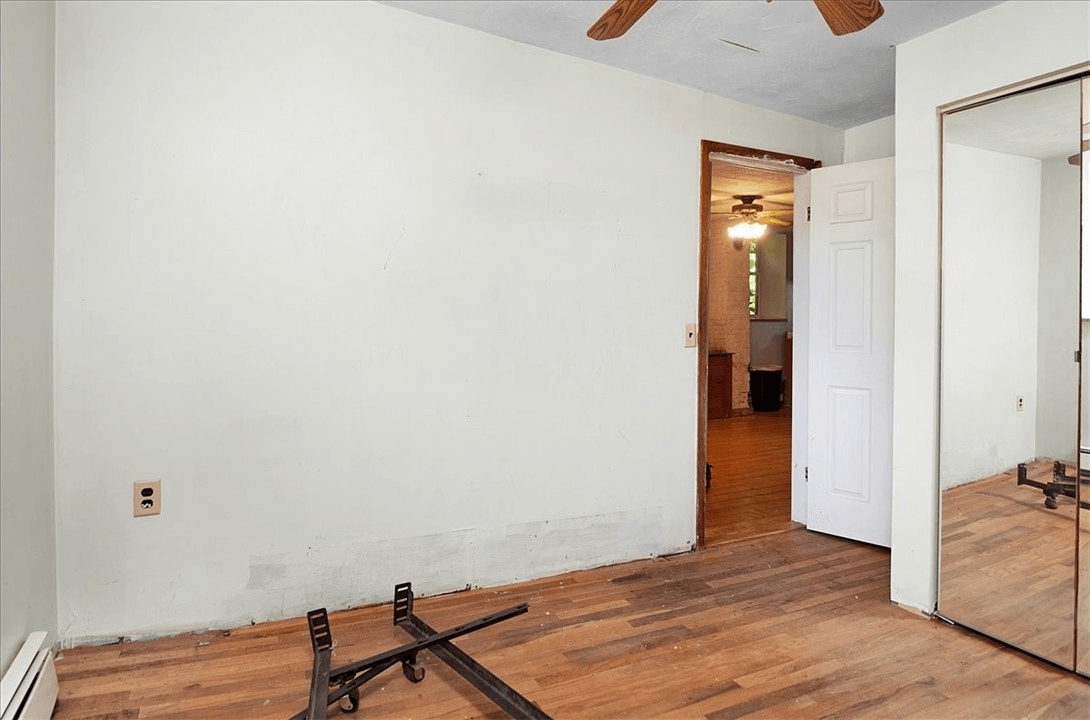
x: 748, y: 220
x: 842, y: 16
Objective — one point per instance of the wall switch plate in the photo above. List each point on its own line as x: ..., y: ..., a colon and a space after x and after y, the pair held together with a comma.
x: 690, y: 334
x: 146, y: 498
x: 1019, y: 404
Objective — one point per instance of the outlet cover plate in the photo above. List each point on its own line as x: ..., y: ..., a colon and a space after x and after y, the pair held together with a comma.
x: 146, y: 498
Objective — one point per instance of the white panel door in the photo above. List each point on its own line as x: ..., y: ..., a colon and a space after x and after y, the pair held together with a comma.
x: 850, y: 424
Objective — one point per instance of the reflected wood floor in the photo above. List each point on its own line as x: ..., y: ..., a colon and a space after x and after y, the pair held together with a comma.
x: 751, y: 480
x: 1008, y: 562
x: 1084, y: 588
x: 792, y: 625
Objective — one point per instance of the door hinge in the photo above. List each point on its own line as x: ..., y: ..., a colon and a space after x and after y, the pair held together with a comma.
x: 807, y: 213
x: 806, y: 473
x: 1078, y: 356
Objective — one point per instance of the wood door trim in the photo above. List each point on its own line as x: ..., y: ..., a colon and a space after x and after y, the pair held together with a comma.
x: 710, y: 146
x: 707, y: 147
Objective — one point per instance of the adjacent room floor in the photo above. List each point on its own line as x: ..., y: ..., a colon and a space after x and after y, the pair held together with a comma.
x: 750, y: 493
x: 791, y: 625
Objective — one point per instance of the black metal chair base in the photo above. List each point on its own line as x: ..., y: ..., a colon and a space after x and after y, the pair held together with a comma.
x: 1062, y: 485
x: 342, y: 684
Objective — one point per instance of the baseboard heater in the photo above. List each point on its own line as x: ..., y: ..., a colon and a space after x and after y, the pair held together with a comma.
x: 28, y: 690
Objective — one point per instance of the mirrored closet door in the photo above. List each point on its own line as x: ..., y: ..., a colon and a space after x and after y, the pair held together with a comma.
x: 1009, y: 450
x: 1083, y: 610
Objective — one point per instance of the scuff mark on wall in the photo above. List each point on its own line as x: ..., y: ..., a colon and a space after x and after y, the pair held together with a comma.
x: 397, y: 242
x: 435, y: 564
x: 536, y: 549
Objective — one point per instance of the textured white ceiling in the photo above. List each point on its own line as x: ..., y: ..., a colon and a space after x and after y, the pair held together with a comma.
x: 801, y: 68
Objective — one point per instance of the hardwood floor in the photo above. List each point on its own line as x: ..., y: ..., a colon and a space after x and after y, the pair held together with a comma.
x: 792, y: 625
x: 751, y: 480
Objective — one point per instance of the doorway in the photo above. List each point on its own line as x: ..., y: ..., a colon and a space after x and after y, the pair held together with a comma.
x: 746, y: 453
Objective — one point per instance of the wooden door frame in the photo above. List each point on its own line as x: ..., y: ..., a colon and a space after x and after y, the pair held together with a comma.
x: 707, y: 147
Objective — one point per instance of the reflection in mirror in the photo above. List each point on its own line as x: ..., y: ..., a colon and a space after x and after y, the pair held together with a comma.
x: 1009, y: 379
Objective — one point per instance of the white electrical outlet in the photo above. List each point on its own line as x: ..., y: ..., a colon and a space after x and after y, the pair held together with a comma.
x: 147, y: 498
x: 1019, y: 403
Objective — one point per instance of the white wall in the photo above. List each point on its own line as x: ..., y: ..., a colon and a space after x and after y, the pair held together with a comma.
x: 990, y: 239
x: 28, y: 576
x: 1002, y: 45
x: 1084, y: 411
x: 767, y: 342
x: 870, y: 141
x: 378, y: 298
x: 767, y: 336
x: 1058, y: 311
x: 772, y: 280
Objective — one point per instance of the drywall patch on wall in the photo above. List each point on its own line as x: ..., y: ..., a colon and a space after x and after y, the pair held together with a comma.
x: 266, y: 571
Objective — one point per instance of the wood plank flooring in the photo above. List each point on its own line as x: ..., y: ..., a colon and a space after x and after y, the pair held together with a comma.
x: 751, y: 480
x: 791, y: 625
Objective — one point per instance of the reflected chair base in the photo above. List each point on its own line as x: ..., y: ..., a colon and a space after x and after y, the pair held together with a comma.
x: 1062, y: 485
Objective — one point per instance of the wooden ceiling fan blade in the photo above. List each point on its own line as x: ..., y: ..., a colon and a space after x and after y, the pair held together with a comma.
x: 848, y: 16
x: 616, y: 21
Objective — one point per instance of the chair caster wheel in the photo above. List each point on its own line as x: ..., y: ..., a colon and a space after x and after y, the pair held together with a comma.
x: 350, y: 703
x: 413, y: 671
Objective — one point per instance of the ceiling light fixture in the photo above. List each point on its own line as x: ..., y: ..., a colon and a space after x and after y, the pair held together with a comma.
x: 745, y: 232
x: 747, y: 228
